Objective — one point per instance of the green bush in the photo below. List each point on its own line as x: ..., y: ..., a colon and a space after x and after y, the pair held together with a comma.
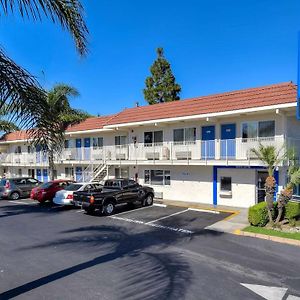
x: 258, y: 214
x: 292, y: 210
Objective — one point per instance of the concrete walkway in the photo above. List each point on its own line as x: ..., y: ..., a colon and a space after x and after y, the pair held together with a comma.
x: 236, y: 221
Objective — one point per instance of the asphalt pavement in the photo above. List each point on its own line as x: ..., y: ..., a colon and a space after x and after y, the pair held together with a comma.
x: 50, y: 252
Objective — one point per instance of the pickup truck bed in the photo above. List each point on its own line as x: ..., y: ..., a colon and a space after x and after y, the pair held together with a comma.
x: 113, y: 193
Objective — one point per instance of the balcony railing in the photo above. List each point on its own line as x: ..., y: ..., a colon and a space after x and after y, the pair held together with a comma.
x: 231, y: 149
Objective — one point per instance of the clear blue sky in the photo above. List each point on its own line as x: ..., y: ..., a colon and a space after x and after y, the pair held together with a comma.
x: 213, y: 46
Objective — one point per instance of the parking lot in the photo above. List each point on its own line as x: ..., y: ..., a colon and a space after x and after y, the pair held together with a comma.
x: 157, y: 252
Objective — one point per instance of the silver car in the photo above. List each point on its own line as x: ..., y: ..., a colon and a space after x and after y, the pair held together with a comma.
x: 15, y: 188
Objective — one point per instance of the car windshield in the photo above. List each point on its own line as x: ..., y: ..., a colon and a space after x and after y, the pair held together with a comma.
x: 73, y: 187
x: 46, y: 185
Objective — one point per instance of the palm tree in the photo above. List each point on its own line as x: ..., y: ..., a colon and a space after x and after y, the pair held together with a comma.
x: 5, y: 124
x: 293, y: 180
x: 19, y: 90
x: 272, y: 158
x: 58, y: 114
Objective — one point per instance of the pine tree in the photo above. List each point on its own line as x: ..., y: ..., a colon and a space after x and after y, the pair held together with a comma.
x: 161, y: 85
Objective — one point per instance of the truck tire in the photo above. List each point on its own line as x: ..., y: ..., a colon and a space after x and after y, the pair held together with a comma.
x: 148, y: 201
x: 108, y: 208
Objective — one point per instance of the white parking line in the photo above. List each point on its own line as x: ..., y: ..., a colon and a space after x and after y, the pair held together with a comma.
x: 160, y: 205
x: 165, y: 217
x: 205, y: 210
x: 153, y: 225
x: 129, y: 211
x: 20, y: 202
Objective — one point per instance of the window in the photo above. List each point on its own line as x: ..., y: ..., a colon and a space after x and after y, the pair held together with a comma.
x: 98, y: 143
x: 121, y: 172
x: 266, y: 129
x: 30, y: 149
x: 184, y: 136
x: 226, y: 184
x: 157, y: 177
x: 20, y: 172
x: 120, y: 140
x: 255, y: 130
x: 69, y: 172
x: 18, y: 150
x: 19, y: 181
x: 31, y: 181
x: 153, y: 137
x: 67, y: 144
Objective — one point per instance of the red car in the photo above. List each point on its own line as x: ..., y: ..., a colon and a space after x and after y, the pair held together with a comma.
x: 47, y: 190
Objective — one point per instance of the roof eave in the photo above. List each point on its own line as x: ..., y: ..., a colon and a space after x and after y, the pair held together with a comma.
x: 203, y: 116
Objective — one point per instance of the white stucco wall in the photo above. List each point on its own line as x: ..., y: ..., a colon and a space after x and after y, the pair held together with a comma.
x: 188, y: 183
x: 243, y: 187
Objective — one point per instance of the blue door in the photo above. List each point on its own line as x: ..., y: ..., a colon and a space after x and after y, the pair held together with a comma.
x: 38, y: 154
x: 78, y: 174
x: 78, y: 149
x: 87, y: 149
x: 45, y: 175
x: 228, y: 135
x: 208, y: 142
x: 39, y: 174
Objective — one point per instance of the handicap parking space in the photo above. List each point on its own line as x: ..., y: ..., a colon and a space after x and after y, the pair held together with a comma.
x: 172, y: 218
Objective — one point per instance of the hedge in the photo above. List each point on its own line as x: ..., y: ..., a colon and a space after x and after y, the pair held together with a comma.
x: 292, y: 210
x: 258, y: 214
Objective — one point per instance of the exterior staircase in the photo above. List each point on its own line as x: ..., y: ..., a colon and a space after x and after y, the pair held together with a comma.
x: 95, y: 173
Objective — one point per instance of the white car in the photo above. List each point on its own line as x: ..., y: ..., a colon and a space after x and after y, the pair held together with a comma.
x: 65, y: 196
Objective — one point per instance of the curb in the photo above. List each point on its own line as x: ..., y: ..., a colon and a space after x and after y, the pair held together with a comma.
x: 268, y: 237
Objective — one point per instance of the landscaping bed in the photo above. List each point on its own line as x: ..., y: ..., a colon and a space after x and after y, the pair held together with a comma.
x: 288, y: 227
x: 273, y: 232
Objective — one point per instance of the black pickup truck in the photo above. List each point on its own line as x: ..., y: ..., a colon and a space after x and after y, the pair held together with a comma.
x: 114, y: 192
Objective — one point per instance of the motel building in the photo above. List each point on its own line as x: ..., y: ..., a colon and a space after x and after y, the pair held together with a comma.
x: 195, y: 150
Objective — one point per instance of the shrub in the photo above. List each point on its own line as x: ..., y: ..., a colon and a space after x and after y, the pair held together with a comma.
x: 292, y: 210
x: 258, y: 214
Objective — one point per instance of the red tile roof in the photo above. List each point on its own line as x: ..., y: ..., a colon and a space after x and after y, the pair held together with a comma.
x: 248, y: 98
x: 91, y: 124
x: 236, y: 100
x: 88, y: 124
x: 14, y: 136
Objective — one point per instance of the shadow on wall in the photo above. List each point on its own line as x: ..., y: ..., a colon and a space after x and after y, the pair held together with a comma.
x: 141, y: 274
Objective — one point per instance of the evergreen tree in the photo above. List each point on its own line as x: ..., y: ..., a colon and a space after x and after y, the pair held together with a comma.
x: 161, y: 85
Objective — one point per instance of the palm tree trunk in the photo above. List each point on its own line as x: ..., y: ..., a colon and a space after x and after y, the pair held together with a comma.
x: 51, y: 165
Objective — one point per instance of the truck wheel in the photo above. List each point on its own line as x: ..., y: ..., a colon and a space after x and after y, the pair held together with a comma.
x: 15, y: 196
x: 90, y: 210
x: 108, y: 208
x: 148, y: 201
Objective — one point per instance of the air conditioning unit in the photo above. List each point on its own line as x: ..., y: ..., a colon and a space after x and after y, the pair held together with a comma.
x: 151, y: 155
x: 183, y: 154
x: 121, y: 156
x: 31, y: 160
x: 17, y: 160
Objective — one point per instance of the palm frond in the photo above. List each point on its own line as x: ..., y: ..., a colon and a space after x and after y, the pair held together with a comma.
x: 68, y: 13
x: 20, y: 93
x: 295, y: 177
x: 8, y: 126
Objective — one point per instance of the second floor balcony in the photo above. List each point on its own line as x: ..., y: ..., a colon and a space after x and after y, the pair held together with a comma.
x: 201, y: 151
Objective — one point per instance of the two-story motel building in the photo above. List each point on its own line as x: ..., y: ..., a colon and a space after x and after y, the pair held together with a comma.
x: 191, y: 150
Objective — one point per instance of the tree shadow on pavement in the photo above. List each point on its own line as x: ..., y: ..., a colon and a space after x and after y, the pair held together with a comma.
x: 144, y: 274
